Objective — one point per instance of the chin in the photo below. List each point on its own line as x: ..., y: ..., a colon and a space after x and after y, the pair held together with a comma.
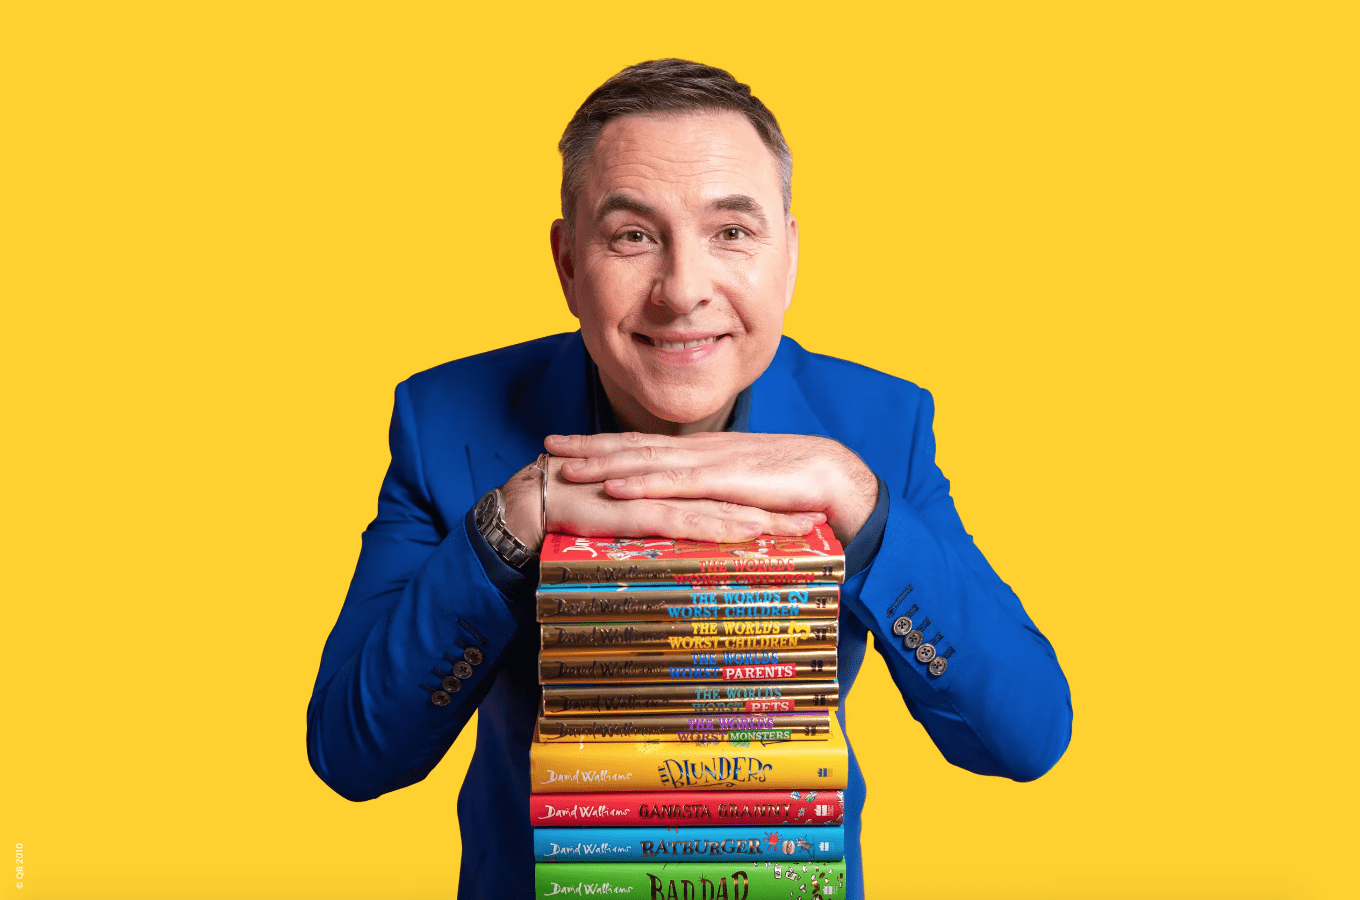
x: 685, y: 410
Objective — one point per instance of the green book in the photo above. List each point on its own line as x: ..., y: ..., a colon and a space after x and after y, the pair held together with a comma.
x: 692, y: 880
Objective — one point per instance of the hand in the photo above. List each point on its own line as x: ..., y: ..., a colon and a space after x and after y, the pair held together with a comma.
x: 775, y: 472
x: 587, y: 510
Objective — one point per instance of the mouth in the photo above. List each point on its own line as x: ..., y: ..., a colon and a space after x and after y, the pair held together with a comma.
x: 680, y: 344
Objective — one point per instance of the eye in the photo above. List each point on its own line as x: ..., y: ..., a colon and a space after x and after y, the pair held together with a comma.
x: 732, y: 233
x: 631, y: 241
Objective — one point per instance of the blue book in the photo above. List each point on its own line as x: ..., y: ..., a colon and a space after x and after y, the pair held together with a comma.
x: 731, y: 843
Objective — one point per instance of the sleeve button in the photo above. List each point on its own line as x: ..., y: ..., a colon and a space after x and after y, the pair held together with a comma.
x: 937, y: 666
x: 439, y: 698
x: 901, y: 626
x: 451, y: 684
x: 473, y: 655
x: 925, y: 653
x: 462, y: 670
x: 912, y: 640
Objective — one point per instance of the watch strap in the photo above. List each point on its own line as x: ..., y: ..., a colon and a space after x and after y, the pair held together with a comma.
x: 489, y: 515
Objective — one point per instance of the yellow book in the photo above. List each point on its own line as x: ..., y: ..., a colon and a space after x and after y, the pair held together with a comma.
x: 579, y: 767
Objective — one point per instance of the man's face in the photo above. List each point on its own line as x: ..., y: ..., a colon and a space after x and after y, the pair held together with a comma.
x: 681, y: 266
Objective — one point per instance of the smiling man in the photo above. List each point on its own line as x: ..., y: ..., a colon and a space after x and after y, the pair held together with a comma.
x: 678, y: 409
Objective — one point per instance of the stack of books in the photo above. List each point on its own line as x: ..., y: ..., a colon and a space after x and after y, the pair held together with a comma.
x: 688, y: 745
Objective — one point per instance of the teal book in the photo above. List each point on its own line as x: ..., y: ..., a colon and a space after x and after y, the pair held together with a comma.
x: 692, y: 880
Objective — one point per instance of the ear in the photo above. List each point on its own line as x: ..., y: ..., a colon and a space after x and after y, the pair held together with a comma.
x: 566, y: 267
x: 791, y: 236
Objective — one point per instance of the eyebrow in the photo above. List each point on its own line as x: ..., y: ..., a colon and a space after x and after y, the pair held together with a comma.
x: 741, y: 203
x: 617, y: 202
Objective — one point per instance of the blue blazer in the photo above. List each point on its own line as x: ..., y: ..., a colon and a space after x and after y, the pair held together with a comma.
x: 421, y: 596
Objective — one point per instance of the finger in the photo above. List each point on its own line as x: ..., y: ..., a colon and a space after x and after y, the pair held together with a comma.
x: 640, y: 460
x: 698, y: 520
x: 586, y: 511
x: 781, y: 523
x: 582, y: 445
x: 717, y: 482
x: 647, y: 518
x: 762, y: 482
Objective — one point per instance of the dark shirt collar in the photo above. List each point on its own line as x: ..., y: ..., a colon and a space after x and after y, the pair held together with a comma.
x: 602, y: 419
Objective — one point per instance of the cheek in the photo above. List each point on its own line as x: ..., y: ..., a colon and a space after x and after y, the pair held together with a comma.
x: 763, y: 274
x: 611, y: 291
x: 764, y: 298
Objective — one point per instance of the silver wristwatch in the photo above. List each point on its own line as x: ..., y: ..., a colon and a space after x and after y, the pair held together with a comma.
x: 490, y: 517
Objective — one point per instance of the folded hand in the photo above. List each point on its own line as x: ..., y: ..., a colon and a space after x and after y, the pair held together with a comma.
x: 773, y: 474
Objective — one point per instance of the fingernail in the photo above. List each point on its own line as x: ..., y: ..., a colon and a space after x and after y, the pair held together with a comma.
x: 615, y: 483
x: 573, y: 465
x: 753, y: 527
x: 804, y: 521
x: 556, y: 439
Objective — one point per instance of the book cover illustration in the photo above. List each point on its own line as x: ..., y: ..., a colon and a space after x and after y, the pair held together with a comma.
x: 768, y: 559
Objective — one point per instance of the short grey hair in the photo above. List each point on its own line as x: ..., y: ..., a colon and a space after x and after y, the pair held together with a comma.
x: 661, y: 87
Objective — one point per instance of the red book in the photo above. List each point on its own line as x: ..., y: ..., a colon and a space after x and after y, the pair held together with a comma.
x: 688, y: 808
x: 766, y: 560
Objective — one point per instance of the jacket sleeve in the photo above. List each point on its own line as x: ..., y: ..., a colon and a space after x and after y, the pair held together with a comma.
x: 420, y: 603
x: 999, y: 703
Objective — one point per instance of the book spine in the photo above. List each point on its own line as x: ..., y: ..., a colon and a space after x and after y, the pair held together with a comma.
x: 647, y: 666
x: 621, y: 700
x: 712, y: 880
x: 578, y: 767
x: 742, y: 728
x: 712, y: 843
x: 691, y: 572
x: 687, y: 808
x: 571, y: 639
x: 728, y: 602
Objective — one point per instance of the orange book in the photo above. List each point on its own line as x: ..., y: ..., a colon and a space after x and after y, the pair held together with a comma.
x: 578, y: 767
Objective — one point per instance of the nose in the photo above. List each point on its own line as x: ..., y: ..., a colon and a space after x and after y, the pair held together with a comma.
x: 685, y: 282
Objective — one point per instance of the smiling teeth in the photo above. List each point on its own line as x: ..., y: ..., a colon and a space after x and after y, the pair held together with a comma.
x: 685, y: 345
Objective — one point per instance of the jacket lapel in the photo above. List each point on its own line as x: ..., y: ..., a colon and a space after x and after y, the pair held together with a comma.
x: 557, y: 403
x: 777, y: 402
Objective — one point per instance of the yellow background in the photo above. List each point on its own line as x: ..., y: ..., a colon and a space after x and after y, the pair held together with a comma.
x: 1117, y: 241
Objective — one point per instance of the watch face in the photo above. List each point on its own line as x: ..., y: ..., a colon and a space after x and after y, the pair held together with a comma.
x: 486, y: 508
